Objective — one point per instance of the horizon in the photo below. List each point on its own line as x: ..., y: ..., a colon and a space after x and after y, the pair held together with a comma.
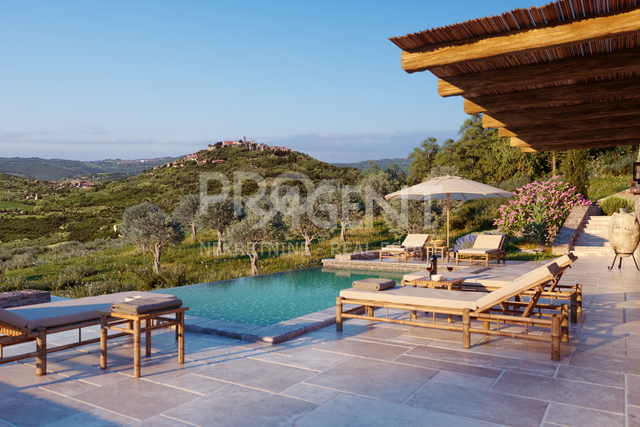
x: 321, y: 79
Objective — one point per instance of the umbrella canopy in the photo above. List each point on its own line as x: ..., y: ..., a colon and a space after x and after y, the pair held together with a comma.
x: 449, y: 188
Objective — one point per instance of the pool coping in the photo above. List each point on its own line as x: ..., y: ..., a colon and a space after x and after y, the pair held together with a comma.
x: 272, y: 334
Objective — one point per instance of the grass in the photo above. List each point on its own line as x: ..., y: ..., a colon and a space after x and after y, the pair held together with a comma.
x: 15, y: 205
x: 127, y: 268
x: 603, y: 187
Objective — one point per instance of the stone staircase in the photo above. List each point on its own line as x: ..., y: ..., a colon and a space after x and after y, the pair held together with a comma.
x: 593, y: 239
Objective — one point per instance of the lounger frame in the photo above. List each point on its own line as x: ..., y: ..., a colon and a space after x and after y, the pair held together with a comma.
x: 525, y: 313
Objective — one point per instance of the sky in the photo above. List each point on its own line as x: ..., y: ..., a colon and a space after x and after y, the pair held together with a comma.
x: 129, y: 79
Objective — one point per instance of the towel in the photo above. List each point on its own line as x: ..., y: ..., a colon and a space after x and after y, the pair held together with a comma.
x: 373, y: 284
x: 145, y: 305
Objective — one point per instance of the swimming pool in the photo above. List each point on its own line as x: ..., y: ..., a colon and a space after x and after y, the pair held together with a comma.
x: 273, y: 298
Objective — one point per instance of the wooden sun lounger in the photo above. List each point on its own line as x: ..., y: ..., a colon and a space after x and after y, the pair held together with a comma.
x: 490, y: 281
x: 33, y: 323
x: 487, y: 247
x: 413, y: 245
x: 500, y: 306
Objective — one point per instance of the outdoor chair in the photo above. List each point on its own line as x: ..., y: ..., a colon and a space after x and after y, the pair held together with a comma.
x: 413, y: 245
x: 503, y: 305
x: 486, y: 246
x: 33, y: 323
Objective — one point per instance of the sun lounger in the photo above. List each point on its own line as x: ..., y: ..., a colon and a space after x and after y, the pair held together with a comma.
x: 500, y: 306
x: 413, y: 245
x: 486, y: 246
x: 493, y: 279
x: 35, y: 322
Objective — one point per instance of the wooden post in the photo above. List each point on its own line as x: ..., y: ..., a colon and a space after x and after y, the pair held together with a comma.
x: 574, y: 307
x: 564, y: 326
x: 41, y: 348
x: 339, y: 314
x: 103, y: 341
x: 180, y: 330
x: 579, y: 296
x: 555, y: 338
x: 136, y: 348
x: 466, y: 325
x: 148, y: 323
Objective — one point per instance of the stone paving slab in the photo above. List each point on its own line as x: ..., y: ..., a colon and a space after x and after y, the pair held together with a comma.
x: 371, y: 374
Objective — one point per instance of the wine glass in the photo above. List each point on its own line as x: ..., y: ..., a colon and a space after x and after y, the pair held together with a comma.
x: 429, y: 268
x: 449, y: 268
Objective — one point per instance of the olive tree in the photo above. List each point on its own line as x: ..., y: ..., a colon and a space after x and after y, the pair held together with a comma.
x: 187, y: 212
x: 218, y: 216
x: 150, y: 227
x: 257, y: 228
x: 312, y: 219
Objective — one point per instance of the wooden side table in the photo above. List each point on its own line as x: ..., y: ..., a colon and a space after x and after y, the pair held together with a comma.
x: 443, y: 250
x: 450, y: 284
x: 152, y: 320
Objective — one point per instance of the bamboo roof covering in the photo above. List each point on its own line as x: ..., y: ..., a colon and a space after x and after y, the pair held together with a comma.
x: 562, y: 76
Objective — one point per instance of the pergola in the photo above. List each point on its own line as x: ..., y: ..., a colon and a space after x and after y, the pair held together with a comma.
x: 562, y: 76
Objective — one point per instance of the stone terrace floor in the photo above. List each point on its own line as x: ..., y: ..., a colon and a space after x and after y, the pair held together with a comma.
x: 369, y: 375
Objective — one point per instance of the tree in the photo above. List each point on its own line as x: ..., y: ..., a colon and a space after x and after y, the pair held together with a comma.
x: 257, y: 228
x: 150, y: 227
x: 187, y: 212
x: 310, y: 220
x: 423, y: 160
x: 346, y: 201
x: 574, y: 169
x: 218, y: 216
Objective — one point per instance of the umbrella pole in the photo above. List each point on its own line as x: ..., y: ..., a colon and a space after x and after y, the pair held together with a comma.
x: 448, y: 209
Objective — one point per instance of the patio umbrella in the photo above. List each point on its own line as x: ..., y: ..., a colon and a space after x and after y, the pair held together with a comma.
x: 449, y: 188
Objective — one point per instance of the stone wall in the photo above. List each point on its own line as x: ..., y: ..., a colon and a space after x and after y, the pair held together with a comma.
x: 23, y: 297
x: 571, y: 228
x: 359, y: 255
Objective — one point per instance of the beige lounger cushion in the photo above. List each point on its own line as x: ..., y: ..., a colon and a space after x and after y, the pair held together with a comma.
x: 490, y: 241
x: 71, y: 311
x: 13, y: 319
x: 538, y: 276
x: 458, y: 300
x: 418, y: 275
x: 417, y: 296
x: 478, y: 251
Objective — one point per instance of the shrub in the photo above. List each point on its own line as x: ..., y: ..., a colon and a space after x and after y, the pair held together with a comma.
x: 539, y: 209
x: 612, y: 205
x: 95, y: 288
x: 19, y: 261
x: 464, y: 242
x: 73, y: 275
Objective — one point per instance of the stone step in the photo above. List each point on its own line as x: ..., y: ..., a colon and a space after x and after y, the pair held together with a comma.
x: 583, y: 248
x: 592, y: 239
x: 601, y: 254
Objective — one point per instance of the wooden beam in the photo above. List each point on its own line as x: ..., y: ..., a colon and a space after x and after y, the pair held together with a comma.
x: 564, y: 114
x: 559, y: 145
x: 539, y: 98
x: 571, y: 127
x: 552, y: 36
x: 551, y: 137
x: 582, y: 67
x: 579, y: 146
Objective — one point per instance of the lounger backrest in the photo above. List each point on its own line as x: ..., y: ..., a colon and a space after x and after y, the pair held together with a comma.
x: 11, y: 319
x: 566, y: 260
x: 488, y: 241
x: 536, y: 277
x: 415, y: 240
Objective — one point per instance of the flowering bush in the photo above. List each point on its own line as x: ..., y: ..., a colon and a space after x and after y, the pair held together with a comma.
x: 539, y: 209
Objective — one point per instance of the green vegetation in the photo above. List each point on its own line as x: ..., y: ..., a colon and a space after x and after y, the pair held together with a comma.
x: 57, y: 169
x: 612, y: 205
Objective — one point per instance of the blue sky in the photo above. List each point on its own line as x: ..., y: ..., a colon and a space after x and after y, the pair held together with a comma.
x: 90, y: 80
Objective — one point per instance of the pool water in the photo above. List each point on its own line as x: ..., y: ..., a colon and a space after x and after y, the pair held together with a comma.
x: 270, y: 299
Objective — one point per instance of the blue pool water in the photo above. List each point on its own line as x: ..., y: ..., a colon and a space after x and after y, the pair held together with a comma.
x: 270, y: 299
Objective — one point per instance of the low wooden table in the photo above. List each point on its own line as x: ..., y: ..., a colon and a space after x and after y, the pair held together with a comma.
x: 444, y: 251
x: 152, y: 320
x: 450, y: 284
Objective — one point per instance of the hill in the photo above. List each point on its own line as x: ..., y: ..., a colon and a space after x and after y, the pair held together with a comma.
x: 57, y: 169
x: 383, y: 164
x: 62, y: 211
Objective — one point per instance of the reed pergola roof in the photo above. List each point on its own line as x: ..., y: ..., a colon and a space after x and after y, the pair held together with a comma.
x: 562, y: 76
